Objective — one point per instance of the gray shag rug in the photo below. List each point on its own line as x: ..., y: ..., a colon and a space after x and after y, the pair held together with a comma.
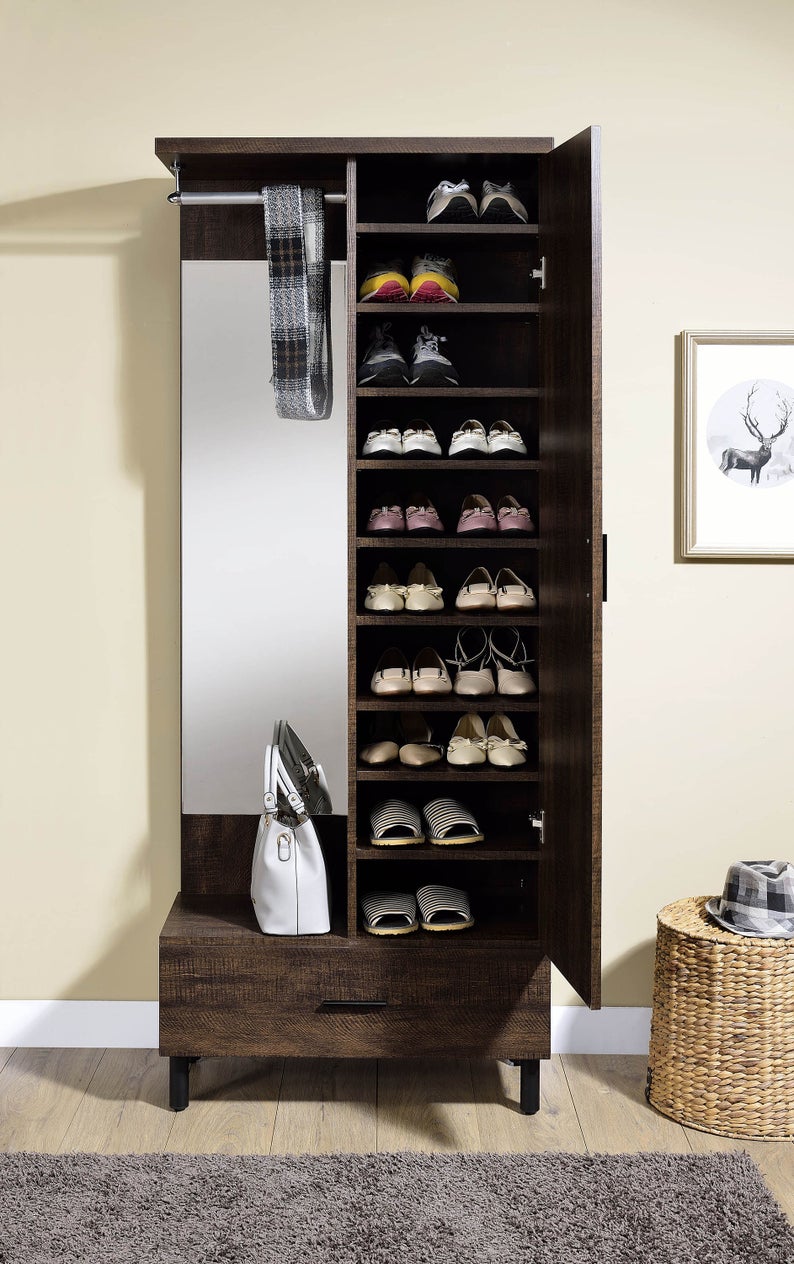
x: 389, y: 1209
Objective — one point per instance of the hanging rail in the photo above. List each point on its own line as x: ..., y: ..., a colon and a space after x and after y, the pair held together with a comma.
x: 182, y: 198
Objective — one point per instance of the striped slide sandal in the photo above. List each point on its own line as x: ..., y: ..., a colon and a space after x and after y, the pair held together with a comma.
x: 448, y: 823
x: 395, y: 823
x: 444, y: 908
x: 389, y: 912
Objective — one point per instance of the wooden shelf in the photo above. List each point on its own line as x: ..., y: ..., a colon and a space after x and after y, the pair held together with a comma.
x: 223, y: 919
x: 448, y: 392
x: 446, y: 702
x: 516, y: 465
x: 427, y: 851
x: 461, y: 618
x: 448, y: 230
x: 443, y: 772
x: 487, y: 932
x: 447, y: 309
x: 446, y: 542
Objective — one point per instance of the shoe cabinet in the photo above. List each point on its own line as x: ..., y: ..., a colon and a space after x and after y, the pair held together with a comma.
x: 525, y: 340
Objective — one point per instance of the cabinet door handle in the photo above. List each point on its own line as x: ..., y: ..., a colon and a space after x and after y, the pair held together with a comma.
x: 330, y: 1006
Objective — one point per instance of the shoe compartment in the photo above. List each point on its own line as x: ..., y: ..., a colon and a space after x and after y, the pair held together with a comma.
x: 445, y: 416
x: 492, y: 269
x: 497, y: 350
x: 395, y: 189
x: 446, y: 491
x: 374, y: 639
x: 450, y: 567
x: 503, y: 898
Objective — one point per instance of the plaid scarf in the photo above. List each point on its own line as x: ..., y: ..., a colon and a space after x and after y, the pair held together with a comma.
x: 300, y: 301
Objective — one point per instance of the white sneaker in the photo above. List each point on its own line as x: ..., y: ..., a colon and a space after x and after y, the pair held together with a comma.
x: 469, y: 440
x: 501, y: 204
x: 503, y: 440
x: 383, y: 443
x: 419, y: 437
x: 452, y: 203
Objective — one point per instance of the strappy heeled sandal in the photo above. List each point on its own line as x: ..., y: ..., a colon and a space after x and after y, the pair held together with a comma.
x: 385, y: 593
x: 512, y: 593
x: 511, y: 675
x: 395, y: 823
x: 468, y: 745
x: 505, y: 748
x: 392, y: 674
x: 389, y: 912
x: 478, y: 591
x: 418, y: 749
x: 474, y: 678
x: 444, y: 908
x: 429, y: 674
x: 449, y: 823
x: 422, y: 593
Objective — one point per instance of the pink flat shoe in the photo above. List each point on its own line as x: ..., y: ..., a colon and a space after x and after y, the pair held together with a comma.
x: 514, y: 517
x: 422, y: 519
x: 388, y: 520
x: 476, y: 517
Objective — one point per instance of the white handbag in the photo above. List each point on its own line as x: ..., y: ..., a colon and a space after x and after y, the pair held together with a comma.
x: 289, y: 882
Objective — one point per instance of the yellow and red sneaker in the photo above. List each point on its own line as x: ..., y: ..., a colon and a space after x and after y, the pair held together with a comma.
x: 385, y: 283
x: 433, y: 280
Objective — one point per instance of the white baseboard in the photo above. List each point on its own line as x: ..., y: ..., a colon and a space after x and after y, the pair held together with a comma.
x: 133, y: 1025
x: 79, y: 1024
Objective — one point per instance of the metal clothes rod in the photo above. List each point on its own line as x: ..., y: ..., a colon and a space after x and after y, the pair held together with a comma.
x: 180, y: 198
x: 233, y: 199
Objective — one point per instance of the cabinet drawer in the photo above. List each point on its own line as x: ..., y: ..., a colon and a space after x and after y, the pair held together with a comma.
x: 303, y: 976
x: 391, y: 1031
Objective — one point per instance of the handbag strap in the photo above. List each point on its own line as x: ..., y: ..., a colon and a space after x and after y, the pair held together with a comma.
x: 278, y: 779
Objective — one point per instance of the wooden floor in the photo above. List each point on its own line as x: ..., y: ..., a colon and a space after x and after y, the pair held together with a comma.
x: 114, y: 1101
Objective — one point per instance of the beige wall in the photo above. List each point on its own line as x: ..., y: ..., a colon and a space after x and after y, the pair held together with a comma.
x: 696, y: 107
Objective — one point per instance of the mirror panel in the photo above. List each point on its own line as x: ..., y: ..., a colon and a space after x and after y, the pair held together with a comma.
x: 264, y: 548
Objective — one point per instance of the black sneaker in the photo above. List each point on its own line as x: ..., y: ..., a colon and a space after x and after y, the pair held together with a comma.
x: 429, y: 367
x: 383, y: 364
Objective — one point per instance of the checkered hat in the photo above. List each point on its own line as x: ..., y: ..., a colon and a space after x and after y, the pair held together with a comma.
x: 758, y: 899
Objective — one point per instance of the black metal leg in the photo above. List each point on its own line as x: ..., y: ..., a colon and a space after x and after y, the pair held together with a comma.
x: 179, y: 1082
x: 530, y: 1086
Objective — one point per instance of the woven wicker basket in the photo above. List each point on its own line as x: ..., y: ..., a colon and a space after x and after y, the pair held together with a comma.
x: 722, y: 1033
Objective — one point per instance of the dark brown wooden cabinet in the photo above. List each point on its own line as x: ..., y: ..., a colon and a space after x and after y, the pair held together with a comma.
x: 526, y: 341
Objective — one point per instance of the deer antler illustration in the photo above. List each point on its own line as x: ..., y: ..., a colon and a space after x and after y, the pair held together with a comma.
x: 754, y: 461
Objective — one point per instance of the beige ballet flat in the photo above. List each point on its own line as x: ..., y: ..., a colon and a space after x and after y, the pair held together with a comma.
x: 429, y: 675
x: 512, y: 593
x: 418, y: 750
x: 392, y: 674
x: 468, y: 745
x: 505, y: 747
x: 478, y: 591
x: 422, y: 593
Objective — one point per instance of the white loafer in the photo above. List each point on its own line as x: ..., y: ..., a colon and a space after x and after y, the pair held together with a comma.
x: 512, y: 593
x: 469, y: 440
x: 420, y: 439
x: 392, y: 674
x: 478, y: 591
x: 503, y: 440
x: 429, y: 674
x: 383, y: 443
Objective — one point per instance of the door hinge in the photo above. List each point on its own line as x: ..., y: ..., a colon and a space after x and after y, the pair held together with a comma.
x: 537, y: 821
x: 539, y: 274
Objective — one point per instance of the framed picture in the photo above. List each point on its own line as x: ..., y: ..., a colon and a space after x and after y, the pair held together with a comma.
x: 737, y: 495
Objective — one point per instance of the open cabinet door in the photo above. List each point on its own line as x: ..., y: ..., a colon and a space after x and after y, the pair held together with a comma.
x: 570, y: 566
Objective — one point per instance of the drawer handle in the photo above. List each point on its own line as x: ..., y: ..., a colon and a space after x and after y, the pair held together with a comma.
x: 329, y: 1006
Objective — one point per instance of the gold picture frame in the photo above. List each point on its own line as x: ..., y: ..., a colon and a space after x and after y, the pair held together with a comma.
x: 737, y: 445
